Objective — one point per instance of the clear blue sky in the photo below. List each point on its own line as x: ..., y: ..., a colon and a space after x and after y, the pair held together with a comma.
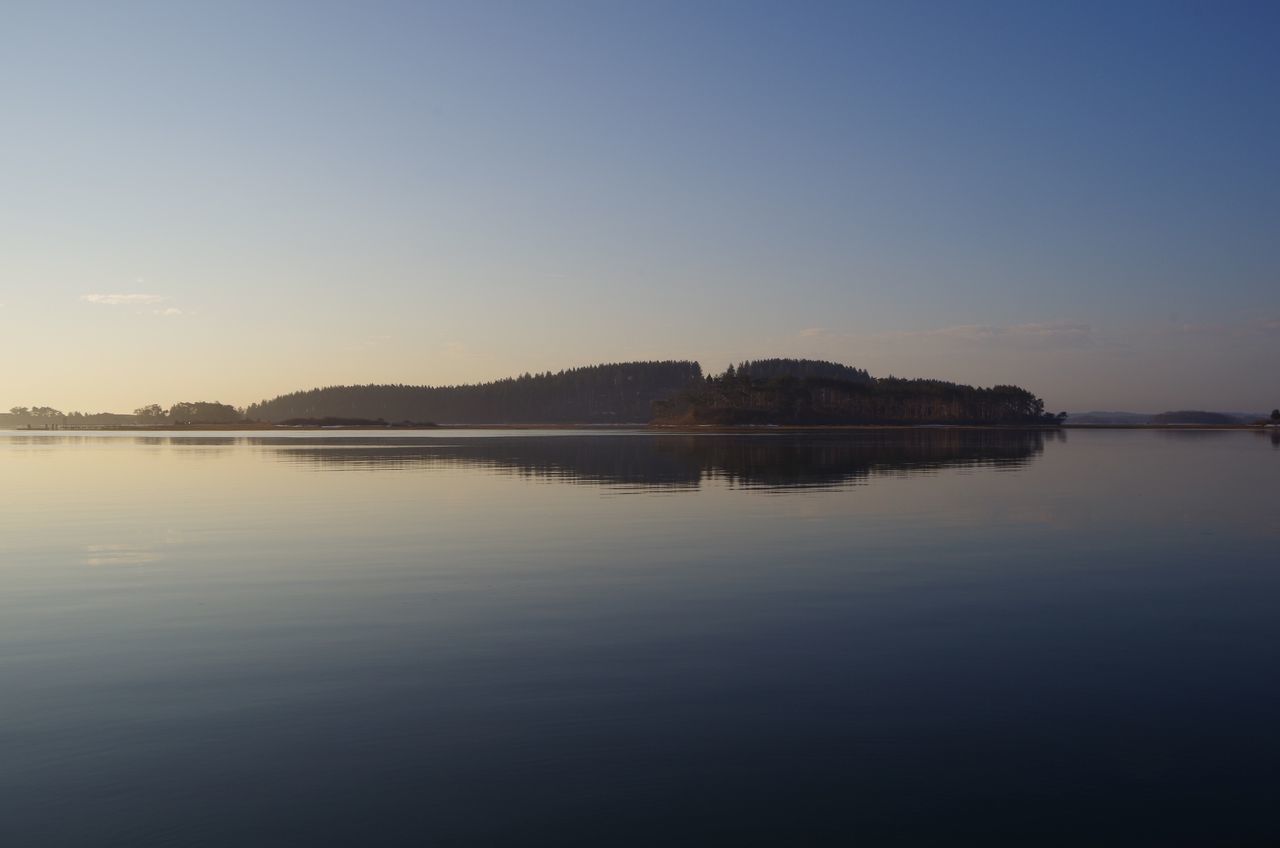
x: 227, y: 200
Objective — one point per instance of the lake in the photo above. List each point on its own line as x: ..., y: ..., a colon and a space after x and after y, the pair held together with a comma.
x: 897, y: 637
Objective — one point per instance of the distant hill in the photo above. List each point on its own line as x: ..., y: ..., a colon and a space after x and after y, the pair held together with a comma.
x: 597, y: 394
x: 1176, y: 417
x: 1132, y: 418
x: 1192, y: 416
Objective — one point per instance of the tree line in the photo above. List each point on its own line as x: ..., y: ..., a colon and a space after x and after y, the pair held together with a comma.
x: 738, y: 396
x: 621, y: 393
x: 776, y: 369
x: 191, y: 412
x: 187, y: 412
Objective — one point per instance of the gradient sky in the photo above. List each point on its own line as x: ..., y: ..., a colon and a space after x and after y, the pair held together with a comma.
x: 226, y: 201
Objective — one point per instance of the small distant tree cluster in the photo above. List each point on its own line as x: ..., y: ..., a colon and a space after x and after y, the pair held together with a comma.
x: 38, y: 416
x: 189, y: 412
x: 204, y: 412
x: 152, y: 414
x: 201, y: 412
x: 45, y: 413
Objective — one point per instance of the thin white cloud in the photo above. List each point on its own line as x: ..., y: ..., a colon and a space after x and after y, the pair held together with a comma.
x: 120, y: 555
x: 172, y: 310
x: 123, y: 299
x: 814, y: 332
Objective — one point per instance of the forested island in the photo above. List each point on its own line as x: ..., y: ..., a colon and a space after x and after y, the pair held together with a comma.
x: 769, y: 391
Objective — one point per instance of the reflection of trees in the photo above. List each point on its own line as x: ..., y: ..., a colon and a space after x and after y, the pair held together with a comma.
x: 817, y: 460
x: 832, y: 460
x: 205, y: 446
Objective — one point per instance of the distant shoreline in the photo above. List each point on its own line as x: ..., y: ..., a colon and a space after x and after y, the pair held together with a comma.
x: 665, y: 428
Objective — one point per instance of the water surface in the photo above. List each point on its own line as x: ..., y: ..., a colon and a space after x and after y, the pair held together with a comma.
x: 915, y: 637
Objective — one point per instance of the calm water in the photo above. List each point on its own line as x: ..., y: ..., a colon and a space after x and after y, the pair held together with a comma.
x: 880, y: 638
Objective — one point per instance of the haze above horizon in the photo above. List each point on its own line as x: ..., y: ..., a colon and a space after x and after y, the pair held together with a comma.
x: 235, y: 200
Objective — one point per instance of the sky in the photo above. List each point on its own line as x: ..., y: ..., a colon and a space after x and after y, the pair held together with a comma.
x: 232, y: 200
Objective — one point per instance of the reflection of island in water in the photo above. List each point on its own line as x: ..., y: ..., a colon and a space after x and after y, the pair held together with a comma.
x: 763, y: 461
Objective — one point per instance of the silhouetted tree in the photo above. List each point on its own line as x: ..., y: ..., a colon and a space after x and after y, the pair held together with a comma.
x: 204, y: 412
x: 151, y: 413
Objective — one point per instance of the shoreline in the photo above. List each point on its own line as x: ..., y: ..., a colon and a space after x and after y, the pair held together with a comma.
x: 669, y: 428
